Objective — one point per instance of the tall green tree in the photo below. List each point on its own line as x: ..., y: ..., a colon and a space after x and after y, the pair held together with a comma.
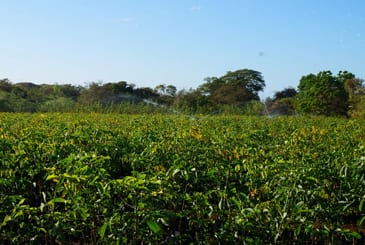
x: 166, y: 94
x: 285, y: 93
x: 211, y: 85
x: 234, y: 88
x: 250, y: 80
x: 230, y: 94
x: 323, y: 94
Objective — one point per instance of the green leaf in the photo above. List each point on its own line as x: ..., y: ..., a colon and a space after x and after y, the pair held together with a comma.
x: 19, y: 213
x: 356, y: 235
x: 175, y: 171
x: 361, y: 204
x: 6, y: 220
x: 21, y: 201
x: 43, y: 230
x: 154, y: 227
x: 348, y: 205
x: 57, y: 200
x: 74, y: 177
x: 312, y: 178
x: 102, y: 230
x: 51, y: 177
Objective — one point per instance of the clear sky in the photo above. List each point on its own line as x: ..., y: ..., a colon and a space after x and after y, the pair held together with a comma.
x: 179, y: 42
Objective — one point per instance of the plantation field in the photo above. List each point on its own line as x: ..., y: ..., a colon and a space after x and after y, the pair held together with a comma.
x: 174, y: 179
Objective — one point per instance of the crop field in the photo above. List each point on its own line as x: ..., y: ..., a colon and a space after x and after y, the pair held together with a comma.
x: 174, y: 179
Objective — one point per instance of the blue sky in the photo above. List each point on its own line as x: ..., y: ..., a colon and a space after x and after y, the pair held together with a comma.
x: 150, y: 42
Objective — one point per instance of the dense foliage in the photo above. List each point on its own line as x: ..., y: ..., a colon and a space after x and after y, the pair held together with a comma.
x: 323, y: 94
x: 237, y: 92
x: 122, y: 179
x: 116, y: 97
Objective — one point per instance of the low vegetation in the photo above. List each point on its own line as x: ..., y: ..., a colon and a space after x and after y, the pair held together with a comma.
x: 168, y: 179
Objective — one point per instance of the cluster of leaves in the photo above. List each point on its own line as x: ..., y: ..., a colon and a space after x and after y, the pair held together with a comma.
x: 93, y: 178
x: 237, y: 89
x: 322, y: 94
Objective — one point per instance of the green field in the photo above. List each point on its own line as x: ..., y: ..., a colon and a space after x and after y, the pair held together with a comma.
x: 168, y: 179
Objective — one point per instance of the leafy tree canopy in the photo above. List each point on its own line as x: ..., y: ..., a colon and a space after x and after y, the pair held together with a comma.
x: 323, y: 94
x: 251, y: 80
x: 285, y: 93
x: 235, y: 87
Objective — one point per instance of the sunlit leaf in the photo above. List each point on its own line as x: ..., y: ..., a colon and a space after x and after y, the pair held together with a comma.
x: 155, y: 228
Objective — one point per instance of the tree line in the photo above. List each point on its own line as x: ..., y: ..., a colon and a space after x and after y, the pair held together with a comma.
x: 235, y: 92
